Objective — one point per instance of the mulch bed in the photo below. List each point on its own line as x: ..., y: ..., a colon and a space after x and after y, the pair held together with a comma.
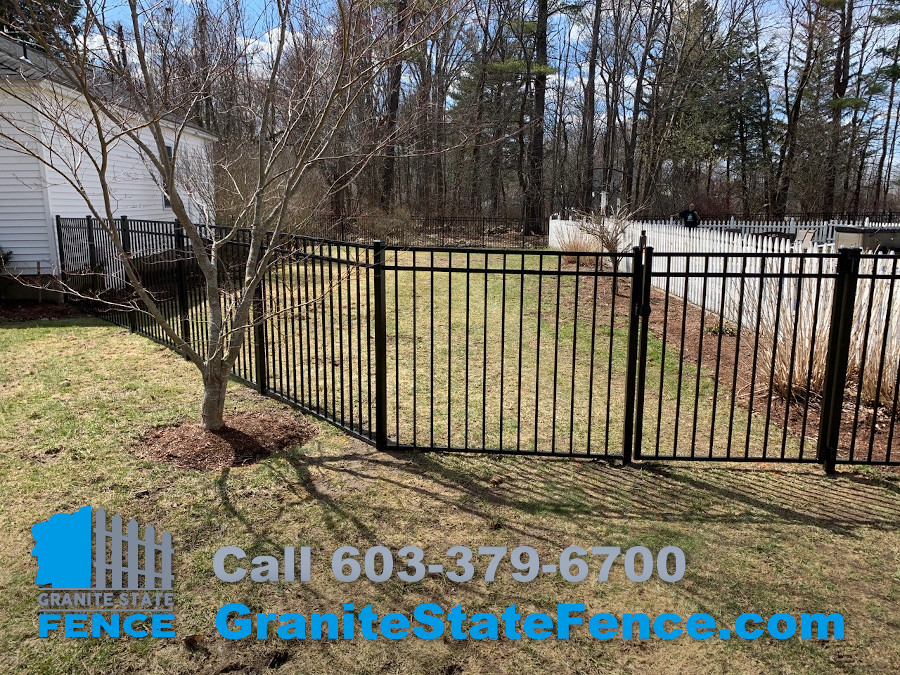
x: 246, y: 439
x: 24, y: 310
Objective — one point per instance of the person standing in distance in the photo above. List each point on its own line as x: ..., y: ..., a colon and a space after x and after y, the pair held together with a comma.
x: 689, y: 217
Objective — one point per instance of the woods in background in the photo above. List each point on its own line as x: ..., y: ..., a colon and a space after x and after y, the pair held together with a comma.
x: 520, y: 108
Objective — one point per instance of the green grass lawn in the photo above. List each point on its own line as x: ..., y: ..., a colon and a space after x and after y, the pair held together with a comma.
x: 76, y: 394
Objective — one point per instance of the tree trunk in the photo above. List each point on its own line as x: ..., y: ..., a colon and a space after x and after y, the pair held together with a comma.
x: 629, y: 179
x: 534, y: 187
x: 841, y: 80
x: 587, y: 118
x: 215, y: 382
x: 395, y: 77
x: 879, y: 173
x: 784, y: 171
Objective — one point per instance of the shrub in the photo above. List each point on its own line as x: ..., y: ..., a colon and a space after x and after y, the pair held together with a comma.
x: 874, y: 338
x: 573, y: 240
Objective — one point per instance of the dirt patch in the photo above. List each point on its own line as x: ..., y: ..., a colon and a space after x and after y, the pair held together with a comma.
x: 246, y: 439
x: 21, y: 310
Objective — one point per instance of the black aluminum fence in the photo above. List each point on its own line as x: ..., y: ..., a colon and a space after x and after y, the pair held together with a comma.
x: 800, y: 354
x: 644, y: 355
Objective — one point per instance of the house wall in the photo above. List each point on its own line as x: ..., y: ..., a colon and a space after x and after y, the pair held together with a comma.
x: 33, y: 193
x: 24, y: 219
x: 134, y: 183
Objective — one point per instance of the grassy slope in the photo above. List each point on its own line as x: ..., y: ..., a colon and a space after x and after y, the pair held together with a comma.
x: 757, y: 539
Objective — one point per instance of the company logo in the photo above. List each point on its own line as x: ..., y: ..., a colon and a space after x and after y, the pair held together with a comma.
x: 102, y: 579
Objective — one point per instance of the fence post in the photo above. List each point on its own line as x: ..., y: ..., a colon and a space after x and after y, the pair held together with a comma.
x: 637, y: 295
x: 181, y: 284
x: 92, y: 251
x: 380, y: 349
x: 62, y: 255
x: 260, y: 353
x: 126, y: 249
x: 642, y: 350
x: 838, y: 355
x: 125, y: 234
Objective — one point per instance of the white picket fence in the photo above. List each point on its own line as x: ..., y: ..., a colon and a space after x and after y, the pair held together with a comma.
x: 714, y: 282
x: 673, y: 238
x: 823, y: 231
x: 782, y: 298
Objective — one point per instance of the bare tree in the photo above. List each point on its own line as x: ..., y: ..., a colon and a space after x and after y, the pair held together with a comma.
x: 282, y: 80
x: 610, y: 231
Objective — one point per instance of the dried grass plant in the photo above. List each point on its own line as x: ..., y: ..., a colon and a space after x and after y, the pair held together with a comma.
x: 794, y: 318
x: 572, y: 240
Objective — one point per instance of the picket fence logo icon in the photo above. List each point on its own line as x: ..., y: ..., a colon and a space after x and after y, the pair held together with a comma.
x: 102, y: 581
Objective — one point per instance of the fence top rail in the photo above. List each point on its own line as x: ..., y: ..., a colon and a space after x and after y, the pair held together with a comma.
x: 485, y: 250
x: 305, y: 240
x: 804, y: 255
x: 588, y: 271
x: 879, y: 266
x: 362, y: 263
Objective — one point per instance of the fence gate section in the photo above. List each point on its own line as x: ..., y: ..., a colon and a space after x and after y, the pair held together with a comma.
x: 745, y: 356
x: 506, y: 351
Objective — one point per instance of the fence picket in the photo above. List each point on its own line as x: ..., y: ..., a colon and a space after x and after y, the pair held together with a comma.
x: 115, y: 539
x: 109, y: 542
x: 133, y: 553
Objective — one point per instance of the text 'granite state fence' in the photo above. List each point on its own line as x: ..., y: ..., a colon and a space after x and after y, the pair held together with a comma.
x: 737, y: 356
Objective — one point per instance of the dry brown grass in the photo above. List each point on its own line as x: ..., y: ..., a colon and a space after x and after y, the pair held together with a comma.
x: 756, y: 539
x: 576, y: 241
x: 803, y: 320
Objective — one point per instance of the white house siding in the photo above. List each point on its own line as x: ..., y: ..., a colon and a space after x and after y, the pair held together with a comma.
x: 134, y: 184
x: 25, y: 225
x: 33, y: 193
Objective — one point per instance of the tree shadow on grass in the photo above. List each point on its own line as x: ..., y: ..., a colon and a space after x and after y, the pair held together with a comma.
x: 513, y: 490
x: 649, y: 492
x: 300, y: 483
